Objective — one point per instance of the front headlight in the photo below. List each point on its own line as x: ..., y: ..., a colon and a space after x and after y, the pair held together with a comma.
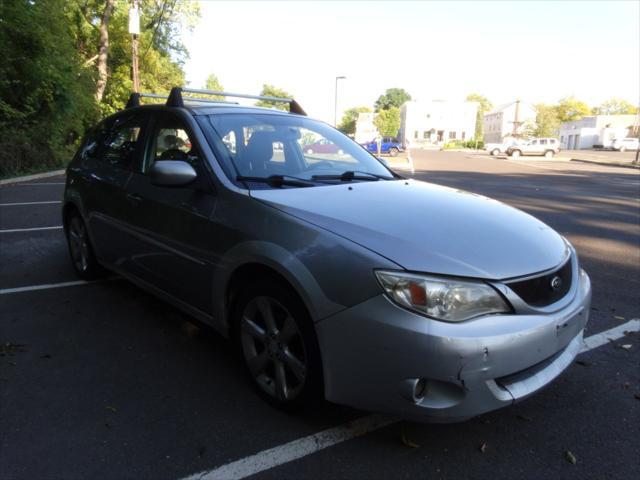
x: 447, y: 299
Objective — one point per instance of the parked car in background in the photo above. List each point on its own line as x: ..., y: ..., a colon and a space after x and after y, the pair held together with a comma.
x: 440, y: 306
x: 498, y: 148
x: 623, y: 144
x: 322, y: 146
x: 389, y: 145
x: 538, y: 146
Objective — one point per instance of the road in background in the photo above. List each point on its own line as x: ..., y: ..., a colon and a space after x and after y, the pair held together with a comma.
x: 104, y: 381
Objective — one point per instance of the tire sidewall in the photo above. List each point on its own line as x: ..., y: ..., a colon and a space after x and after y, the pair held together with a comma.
x: 94, y: 270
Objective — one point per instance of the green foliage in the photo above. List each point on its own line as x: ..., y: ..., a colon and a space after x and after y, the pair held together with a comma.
x: 454, y: 144
x: 484, y: 106
x: 388, y: 122
x: 46, y: 97
x: 348, y: 123
x: 569, y: 109
x: 547, y: 121
x: 271, y: 91
x: 393, y: 97
x: 615, y: 106
x: 212, y: 83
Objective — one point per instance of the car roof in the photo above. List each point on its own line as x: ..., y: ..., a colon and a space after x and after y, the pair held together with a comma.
x: 209, y: 109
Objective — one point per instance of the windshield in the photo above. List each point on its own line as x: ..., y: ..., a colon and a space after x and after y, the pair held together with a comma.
x: 266, y: 145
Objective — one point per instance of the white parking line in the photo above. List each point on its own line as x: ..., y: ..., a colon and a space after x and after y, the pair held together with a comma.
x: 28, y: 203
x: 302, y: 447
x: 14, y: 230
x: 45, y: 286
x: 38, y: 183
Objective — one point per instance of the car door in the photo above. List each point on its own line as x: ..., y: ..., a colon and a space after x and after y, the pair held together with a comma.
x: 108, y: 165
x: 173, y: 224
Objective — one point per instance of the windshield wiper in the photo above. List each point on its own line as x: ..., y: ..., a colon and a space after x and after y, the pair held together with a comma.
x: 350, y: 175
x: 278, y: 180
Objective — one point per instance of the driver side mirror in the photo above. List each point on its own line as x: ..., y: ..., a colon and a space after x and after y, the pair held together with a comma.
x: 171, y: 173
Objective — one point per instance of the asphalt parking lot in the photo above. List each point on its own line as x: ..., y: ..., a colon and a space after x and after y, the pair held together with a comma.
x: 102, y: 380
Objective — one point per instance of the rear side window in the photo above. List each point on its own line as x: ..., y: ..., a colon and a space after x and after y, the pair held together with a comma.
x: 120, y: 143
x: 543, y: 141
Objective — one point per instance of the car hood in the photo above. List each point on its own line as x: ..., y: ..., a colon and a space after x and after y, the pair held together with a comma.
x: 428, y: 228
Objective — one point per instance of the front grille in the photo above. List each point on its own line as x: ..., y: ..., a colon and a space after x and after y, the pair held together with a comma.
x: 539, y: 292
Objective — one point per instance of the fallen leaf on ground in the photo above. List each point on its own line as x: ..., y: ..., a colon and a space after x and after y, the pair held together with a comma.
x: 482, y: 447
x: 637, y: 396
x: 524, y: 417
x: 626, y: 385
x: 618, y: 317
x: 408, y: 443
x: 626, y: 346
x: 110, y: 408
x: 570, y: 457
x: 584, y: 363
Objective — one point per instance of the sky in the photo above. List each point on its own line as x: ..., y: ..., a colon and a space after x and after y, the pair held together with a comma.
x: 536, y: 51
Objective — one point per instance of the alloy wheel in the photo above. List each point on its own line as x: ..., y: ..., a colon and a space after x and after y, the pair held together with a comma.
x: 273, y: 348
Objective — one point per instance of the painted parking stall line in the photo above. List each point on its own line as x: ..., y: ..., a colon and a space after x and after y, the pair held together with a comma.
x: 36, y: 229
x: 38, y: 183
x: 49, y: 286
x: 20, y: 204
x: 311, y: 444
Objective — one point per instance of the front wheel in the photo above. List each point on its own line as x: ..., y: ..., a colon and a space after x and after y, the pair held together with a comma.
x: 279, y: 345
x: 495, y: 152
x: 548, y: 154
x: 393, y: 151
x: 623, y: 149
x: 516, y: 153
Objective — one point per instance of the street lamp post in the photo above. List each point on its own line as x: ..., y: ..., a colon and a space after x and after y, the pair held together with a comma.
x: 335, y: 105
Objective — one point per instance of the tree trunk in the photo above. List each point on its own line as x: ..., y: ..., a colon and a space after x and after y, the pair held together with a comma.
x: 103, y: 50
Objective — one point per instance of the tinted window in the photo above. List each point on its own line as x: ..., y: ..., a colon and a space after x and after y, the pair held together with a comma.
x: 119, y: 144
x: 543, y: 142
x: 171, y: 141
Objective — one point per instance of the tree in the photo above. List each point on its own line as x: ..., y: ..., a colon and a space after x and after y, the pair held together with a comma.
x: 615, y: 106
x: 349, y: 119
x: 46, y: 96
x: 212, y: 83
x: 484, y: 105
x: 103, y: 48
x: 271, y: 91
x: 547, y: 121
x: 393, y: 97
x: 388, y: 121
x: 569, y: 109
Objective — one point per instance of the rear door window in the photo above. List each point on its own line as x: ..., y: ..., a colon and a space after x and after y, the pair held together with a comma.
x: 120, y: 144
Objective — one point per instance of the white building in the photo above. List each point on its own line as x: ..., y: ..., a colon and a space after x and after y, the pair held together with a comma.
x: 498, y: 124
x: 365, y: 129
x: 437, y: 122
x: 595, y: 131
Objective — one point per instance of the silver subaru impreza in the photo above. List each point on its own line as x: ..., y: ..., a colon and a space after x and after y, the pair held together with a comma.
x: 336, y: 277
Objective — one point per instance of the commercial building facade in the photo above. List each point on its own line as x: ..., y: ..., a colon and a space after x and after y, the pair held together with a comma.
x: 596, y: 131
x: 437, y: 122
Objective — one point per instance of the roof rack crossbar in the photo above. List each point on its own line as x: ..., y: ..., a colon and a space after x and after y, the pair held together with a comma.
x: 177, y: 100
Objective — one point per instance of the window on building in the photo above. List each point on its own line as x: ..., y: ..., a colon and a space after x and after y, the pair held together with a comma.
x: 562, y: 139
x: 415, y: 134
x: 452, y: 135
x: 464, y: 134
x: 425, y: 135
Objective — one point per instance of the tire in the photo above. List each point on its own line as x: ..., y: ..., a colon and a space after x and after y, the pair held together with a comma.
x: 278, y: 345
x: 623, y: 149
x: 393, y: 151
x: 80, y: 249
x: 548, y: 154
x: 516, y: 153
x: 495, y: 152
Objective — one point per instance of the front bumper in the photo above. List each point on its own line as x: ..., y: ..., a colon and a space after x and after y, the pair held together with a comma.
x: 374, y: 353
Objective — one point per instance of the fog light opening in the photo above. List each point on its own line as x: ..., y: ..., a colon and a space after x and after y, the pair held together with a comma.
x: 420, y: 389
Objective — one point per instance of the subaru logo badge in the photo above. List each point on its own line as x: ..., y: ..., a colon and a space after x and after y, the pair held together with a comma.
x: 556, y: 283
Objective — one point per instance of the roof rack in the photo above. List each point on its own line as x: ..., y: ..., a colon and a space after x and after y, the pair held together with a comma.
x: 175, y: 98
x: 134, y: 99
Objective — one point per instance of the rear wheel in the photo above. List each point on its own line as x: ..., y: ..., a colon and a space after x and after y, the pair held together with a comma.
x: 393, y: 151
x: 279, y: 345
x: 623, y: 149
x: 548, y: 154
x: 516, y: 153
x: 82, y: 256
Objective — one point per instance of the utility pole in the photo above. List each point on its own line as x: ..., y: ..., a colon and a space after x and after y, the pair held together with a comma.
x: 637, y: 134
x: 516, y: 120
x: 134, y: 30
x: 335, y: 105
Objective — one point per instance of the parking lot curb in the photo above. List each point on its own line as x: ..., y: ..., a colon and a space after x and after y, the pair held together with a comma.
x: 611, y: 164
x: 35, y: 176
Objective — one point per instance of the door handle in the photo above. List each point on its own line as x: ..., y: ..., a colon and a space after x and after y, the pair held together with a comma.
x: 134, y: 197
